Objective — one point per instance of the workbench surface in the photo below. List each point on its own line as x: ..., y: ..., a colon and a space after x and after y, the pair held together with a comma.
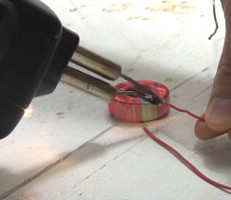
x: 73, y: 149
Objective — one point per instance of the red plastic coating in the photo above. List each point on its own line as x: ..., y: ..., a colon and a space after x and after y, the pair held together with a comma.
x: 134, y: 109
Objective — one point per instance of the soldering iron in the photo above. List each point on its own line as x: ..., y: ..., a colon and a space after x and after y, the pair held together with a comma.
x: 35, y: 53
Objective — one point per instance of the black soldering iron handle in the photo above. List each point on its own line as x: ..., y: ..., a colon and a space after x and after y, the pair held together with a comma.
x: 34, y: 50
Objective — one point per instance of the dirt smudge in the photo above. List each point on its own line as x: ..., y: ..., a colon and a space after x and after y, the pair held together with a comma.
x: 182, y: 7
x: 118, y: 7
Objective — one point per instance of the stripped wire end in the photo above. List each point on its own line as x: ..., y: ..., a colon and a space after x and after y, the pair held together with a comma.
x: 215, y: 20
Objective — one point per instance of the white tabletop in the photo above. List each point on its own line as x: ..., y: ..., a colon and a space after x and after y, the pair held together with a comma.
x: 73, y: 149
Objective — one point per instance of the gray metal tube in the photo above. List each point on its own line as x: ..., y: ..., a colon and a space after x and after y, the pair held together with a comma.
x: 96, y: 63
x: 89, y: 84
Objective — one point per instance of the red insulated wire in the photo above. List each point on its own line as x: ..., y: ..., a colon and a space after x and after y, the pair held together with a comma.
x: 185, y: 111
x: 185, y: 161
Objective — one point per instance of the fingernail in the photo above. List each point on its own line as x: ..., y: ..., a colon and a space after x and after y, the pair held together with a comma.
x: 219, y: 111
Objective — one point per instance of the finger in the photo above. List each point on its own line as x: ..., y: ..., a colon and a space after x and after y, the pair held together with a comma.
x: 203, y: 132
x: 226, y: 4
x: 218, y: 113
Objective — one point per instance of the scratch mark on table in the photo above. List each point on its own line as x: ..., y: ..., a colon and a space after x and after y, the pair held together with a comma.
x: 113, y: 159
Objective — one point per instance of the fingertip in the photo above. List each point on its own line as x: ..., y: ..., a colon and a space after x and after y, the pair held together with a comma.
x: 203, y: 132
x: 199, y: 130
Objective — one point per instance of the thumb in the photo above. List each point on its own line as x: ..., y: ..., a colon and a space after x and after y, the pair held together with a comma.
x: 218, y: 113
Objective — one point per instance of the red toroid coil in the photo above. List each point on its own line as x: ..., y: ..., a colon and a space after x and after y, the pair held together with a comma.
x: 134, y: 109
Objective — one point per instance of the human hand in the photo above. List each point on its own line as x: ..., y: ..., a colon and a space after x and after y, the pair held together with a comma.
x: 218, y: 112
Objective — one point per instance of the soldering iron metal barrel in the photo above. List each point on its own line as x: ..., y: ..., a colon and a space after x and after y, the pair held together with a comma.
x: 95, y: 63
x: 89, y: 84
